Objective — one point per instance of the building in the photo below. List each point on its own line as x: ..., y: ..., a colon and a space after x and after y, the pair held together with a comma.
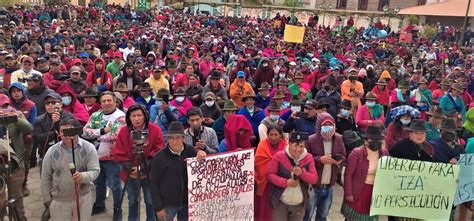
x: 359, y: 5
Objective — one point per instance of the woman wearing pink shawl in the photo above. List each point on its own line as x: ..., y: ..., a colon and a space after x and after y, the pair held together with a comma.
x: 182, y: 103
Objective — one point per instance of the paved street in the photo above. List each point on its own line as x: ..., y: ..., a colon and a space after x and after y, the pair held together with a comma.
x: 34, y: 202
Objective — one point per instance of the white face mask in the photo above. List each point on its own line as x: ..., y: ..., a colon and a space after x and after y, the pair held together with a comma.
x: 274, y: 117
x: 265, y: 64
x: 210, y: 103
x: 282, y: 75
x: 180, y: 99
x: 295, y: 108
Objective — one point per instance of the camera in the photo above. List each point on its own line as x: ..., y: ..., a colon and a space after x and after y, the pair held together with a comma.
x: 139, y: 137
x: 338, y: 157
x: 72, y: 131
x: 6, y: 116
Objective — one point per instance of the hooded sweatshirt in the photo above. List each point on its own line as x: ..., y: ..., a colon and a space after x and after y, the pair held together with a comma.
x: 100, y: 78
x: 75, y: 107
x: 26, y: 106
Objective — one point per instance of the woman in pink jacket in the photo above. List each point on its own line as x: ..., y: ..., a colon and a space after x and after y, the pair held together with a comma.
x: 290, y: 173
x: 359, y: 176
x: 371, y: 113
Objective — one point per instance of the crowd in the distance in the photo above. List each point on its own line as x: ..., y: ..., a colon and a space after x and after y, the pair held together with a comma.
x: 153, y: 88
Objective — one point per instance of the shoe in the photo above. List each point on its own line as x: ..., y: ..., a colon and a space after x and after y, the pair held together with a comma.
x: 26, y: 191
x: 117, y: 214
x: 98, y: 210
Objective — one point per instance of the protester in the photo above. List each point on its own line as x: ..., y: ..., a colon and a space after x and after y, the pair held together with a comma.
x: 137, y: 152
x: 371, y: 113
x: 210, y: 109
x: 104, y: 125
x: 237, y: 134
x: 59, y: 185
x: 218, y: 126
x: 161, y: 113
x: 168, y: 182
x: 90, y: 101
x: 415, y: 147
x: 199, y: 136
x: 447, y: 148
x: 267, y: 148
x: 37, y: 92
x: 360, y: 174
x: 290, y: 173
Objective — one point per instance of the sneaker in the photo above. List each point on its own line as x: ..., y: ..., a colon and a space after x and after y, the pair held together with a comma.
x: 117, y: 214
x: 98, y: 210
x: 26, y: 191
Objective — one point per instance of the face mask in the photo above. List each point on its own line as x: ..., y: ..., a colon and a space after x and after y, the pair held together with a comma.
x: 327, y: 132
x: 448, y: 136
x: 327, y: 88
x: 66, y: 100
x: 274, y: 117
x: 210, y: 103
x: 326, y: 129
x: 345, y: 112
x: 405, y: 122
x: 375, y: 145
x: 370, y: 104
x: 264, y: 64
x: 295, y: 108
x: 282, y: 75
x: 179, y: 99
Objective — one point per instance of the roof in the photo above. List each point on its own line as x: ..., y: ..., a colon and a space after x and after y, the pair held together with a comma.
x: 456, y: 8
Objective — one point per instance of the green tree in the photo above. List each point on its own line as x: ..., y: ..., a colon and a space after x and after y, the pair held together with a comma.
x: 292, y: 3
x: 412, y: 19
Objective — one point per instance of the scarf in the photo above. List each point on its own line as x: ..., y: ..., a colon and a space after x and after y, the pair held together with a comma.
x: 376, y: 111
x: 234, y: 139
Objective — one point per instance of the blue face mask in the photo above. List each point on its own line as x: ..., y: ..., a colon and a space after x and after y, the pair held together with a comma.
x: 66, y: 100
x: 326, y: 129
x: 345, y: 112
x: 370, y: 104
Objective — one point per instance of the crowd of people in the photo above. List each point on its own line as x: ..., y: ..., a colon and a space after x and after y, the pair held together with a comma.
x: 152, y: 88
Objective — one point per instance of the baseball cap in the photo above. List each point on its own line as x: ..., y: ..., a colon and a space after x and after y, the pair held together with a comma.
x: 240, y: 74
x: 71, y: 47
x: 35, y: 77
x: 75, y: 69
x: 55, y: 61
x: 4, y: 99
x: 84, y: 55
x: 220, y: 66
x: 53, y: 95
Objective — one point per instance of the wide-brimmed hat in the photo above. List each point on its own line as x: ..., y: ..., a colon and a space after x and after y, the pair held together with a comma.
x: 279, y: 94
x: 374, y: 133
x: 346, y: 104
x: 121, y: 87
x: 381, y: 82
x: 457, y: 87
x: 248, y: 94
x: 163, y: 92
x: 298, y: 75
x: 90, y: 92
x: 446, y: 82
x: 371, y: 96
x: 229, y: 105
x: 448, y: 124
x: 417, y: 125
x: 180, y: 92
x: 273, y: 106
x: 295, y: 99
x: 403, y: 84
x: 265, y: 86
x: 145, y: 86
x: 435, y: 111
x: 175, y: 129
x: 216, y: 75
x: 283, y: 81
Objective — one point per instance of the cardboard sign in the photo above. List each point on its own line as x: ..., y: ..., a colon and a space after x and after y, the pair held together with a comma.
x: 465, y: 190
x: 293, y: 34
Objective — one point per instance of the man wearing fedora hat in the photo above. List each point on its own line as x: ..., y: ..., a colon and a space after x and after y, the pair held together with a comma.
x: 330, y: 96
x: 445, y: 85
x: 447, y: 148
x: 415, y: 147
x: 299, y: 88
x: 90, y: 101
x: 263, y: 95
x: 216, y: 87
x: 76, y: 80
x: 162, y: 113
x: 274, y: 111
x: 229, y: 110
x: 169, y: 177
x: 145, y: 95
x: 194, y: 90
x: 294, y: 106
x: 127, y: 101
x: 435, y: 116
x: 282, y: 85
x: 253, y: 114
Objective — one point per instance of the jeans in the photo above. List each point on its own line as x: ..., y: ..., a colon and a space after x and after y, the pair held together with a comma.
x: 322, y: 202
x: 109, y: 176
x: 133, y: 192
x: 171, y: 212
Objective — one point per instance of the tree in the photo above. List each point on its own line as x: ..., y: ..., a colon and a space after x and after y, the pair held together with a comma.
x: 293, y: 3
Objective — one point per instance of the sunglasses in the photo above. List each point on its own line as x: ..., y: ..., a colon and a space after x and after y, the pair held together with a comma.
x: 51, y: 102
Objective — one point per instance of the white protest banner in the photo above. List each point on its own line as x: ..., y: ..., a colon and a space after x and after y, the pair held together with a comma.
x: 465, y: 191
x: 221, y: 187
x: 414, y: 189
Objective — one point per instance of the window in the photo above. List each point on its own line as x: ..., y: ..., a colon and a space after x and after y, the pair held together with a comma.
x: 363, y: 4
x: 383, y: 3
x: 421, y: 2
x: 341, y: 4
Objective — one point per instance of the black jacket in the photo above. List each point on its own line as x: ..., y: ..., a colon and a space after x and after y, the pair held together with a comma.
x: 169, y: 178
x: 45, y: 133
x: 406, y: 149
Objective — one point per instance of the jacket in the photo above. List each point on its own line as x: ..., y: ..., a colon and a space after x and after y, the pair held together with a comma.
x: 51, y: 81
x: 383, y: 97
x: 141, y: 100
x: 26, y: 106
x: 17, y: 131
x: 364, y: 120
x: 447, y: 105
x: 254, y: 119
x: 218, y: 127
x: 38, y: 95
x: 280, y: 170
x: 301, y: 124
x: 469, y: 122
x: 333, y: 99
x: 207, y: 135
x: 444, y: 153
x: 75, y: 107
x: 393, y: 136
x: 237, y: 92
x: 169, y: 178
x: 356, y: 171
x: 406, y: 149
x: 163, y: 118
x: 45, y: 133
x: 101, y: 79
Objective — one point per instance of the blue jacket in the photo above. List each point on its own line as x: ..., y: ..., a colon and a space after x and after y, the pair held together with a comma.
x: 148, y: 104
x: 163, y: 118
x: 444, y: 153
x: 262, y: 103
x: 300, y: 124
x: 254, y: 119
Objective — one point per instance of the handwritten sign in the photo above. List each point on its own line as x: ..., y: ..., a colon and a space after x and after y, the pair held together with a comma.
x: 414, y: 189
x: 221, y: 187
x: 465, y: 191
x: 294, y: 34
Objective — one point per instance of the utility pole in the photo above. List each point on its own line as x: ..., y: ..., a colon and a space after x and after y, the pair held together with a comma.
x: 466, y: 19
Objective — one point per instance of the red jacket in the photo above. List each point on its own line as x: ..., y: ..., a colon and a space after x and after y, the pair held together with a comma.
x: 51, y: 82
x: 383, y: 97
x: 393, y: 136
x: 356, y: 171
